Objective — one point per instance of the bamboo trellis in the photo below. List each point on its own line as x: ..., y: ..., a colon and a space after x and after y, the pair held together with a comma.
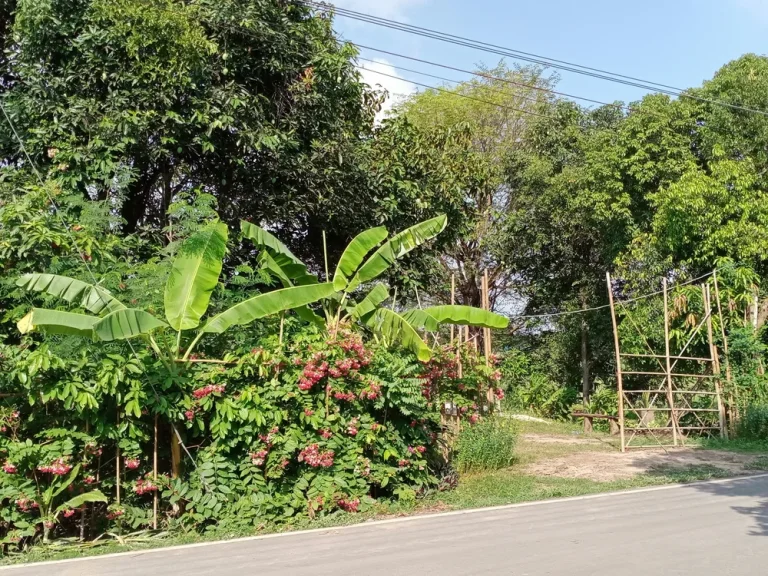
x: 675, y: 396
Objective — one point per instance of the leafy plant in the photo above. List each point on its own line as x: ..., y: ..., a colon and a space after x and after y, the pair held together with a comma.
x: 487, y: 445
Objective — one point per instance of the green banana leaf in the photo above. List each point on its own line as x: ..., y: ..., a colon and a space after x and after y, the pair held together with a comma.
x: 124, y: 324
x: 376, y: 296
x: 421, y: 319
x: 194, y: 275
x: 396, y: 247
x: 264, y: 239
x: 467, y: 316
x: 268, y: 304
x: 95, y: 299
x: 80, y: 499
x: 396, y: 329
x: 57, y: 322
x: 288, y: 272
x: 354, y: 253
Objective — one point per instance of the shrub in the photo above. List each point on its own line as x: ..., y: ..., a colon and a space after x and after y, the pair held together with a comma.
x: 754, y: 423
x: 487, y: 445
x: 542, y: 396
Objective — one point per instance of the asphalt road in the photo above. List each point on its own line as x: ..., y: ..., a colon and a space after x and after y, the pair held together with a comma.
x: 716, y: 528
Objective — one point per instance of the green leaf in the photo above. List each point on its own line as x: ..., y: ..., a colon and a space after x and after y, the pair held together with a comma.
x: 286, y: 270
x: 124, y: 324
x: 57, y: 322
x: 80, y: 499
x: 194, y: 275
x: 396, y: 329
x: 266, y: 305
x: 71, y: 478
x: 376, y: 296
x: 421, y: 319
x: 467, y: 316
x: 397, y: 247
x: 354, y: 253
x: 264, y: 239
x: 93, y: 298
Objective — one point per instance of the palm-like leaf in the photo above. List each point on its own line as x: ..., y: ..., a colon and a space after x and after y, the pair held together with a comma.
x: 467, y: 316
x: 354, y: 254
x: 194, y: 275
x: 396, y: 329
x: 95, y: 299
x: 80, y: 499
x: 124, y: 324
x: 264, y: 239
x: 268, y: 304
x: 290, y: 273
x: 396, y: 247
x: 57, y: 322
x: 376, y: 296
x: 421, y: 319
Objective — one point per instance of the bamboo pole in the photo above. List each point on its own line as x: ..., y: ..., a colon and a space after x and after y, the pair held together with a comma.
x: 731, y: 388
x: 453, y: 300
x: 154, y: 477
x: 458, y: 353
x: 619, y: 381
x: 715, y: 362
x: 668, y: 362
x: 486, y: 331
x: 117, y: 460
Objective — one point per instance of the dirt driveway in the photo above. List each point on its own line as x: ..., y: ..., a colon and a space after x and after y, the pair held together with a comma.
x: 592, y: 460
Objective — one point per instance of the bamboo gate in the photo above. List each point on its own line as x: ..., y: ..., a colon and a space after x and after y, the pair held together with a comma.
x: 663, y: 406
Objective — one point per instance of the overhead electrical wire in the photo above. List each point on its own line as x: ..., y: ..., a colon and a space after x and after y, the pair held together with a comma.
x: 520, y: 55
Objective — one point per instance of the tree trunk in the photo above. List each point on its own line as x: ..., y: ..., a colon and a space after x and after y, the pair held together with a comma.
x: 584, y: 363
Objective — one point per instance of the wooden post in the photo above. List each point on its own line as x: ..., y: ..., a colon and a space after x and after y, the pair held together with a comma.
x: 715, y: 362
x: 175, y: 455
x: 617, y: 350
x: 458, y: 353
x: 731, y: 388
x: 453, y: 300
x: 670, y: 398
x: 486, y: 331
x: 117, y: 460
x: 154, y: 477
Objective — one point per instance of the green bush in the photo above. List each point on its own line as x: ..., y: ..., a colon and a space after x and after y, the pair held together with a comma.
x: 754, y: 423
x: 487, y: 445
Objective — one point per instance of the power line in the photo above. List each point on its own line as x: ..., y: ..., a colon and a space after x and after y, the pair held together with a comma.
x: 520, y: 55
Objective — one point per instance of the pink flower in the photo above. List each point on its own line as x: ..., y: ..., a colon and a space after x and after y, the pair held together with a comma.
x: 375, y: 426
x: 58, y: 467
x: 312, y: 456
x: 209, y: 389
x: 89, y: 479
x: 326, y: 434
x: 115, y: 514
x: 346, y: 396
x: 144, y: 487
x: 189, y: 414
x: 132, y: 463
x: 499, y: 394
x: 25, y: 504
x: 305, y: 384
x: 69, y: 512
x: 402, y: 463
x: 349, y: 505
x: 474, y: 418
x: 298, y: 361
x: 308, y: 412
x: 258, y: 458
x: 335, y: 373
x: 496, y: 375
x: 9, y: 468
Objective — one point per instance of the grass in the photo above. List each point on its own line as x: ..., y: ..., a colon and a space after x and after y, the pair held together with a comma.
x: 507, y: 486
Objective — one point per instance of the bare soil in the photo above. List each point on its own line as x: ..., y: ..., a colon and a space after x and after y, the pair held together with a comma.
x: 604, y: 465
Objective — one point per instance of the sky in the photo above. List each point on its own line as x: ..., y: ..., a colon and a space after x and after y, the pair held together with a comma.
x: 680, y: 43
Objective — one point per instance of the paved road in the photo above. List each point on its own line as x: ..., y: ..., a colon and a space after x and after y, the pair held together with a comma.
x: 717, y: 528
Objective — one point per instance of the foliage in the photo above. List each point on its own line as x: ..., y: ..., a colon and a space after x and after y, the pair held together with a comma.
x: 754, y: 423
x: 487, y: 445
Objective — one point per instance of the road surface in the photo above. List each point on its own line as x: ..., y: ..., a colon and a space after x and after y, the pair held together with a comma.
x: 715, y: 528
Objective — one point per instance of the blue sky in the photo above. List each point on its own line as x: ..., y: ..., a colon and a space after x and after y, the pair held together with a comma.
x: 675, y: 42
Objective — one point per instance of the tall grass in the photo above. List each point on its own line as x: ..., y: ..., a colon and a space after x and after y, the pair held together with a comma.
x: 487, y: 445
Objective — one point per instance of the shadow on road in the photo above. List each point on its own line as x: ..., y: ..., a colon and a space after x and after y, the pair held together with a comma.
x: 756, y: 488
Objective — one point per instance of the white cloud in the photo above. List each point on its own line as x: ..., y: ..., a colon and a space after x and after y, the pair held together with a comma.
x: 383, y: 8
x: 392, y: 82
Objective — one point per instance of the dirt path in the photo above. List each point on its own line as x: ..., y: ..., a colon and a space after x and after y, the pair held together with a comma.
x: 604, y: 466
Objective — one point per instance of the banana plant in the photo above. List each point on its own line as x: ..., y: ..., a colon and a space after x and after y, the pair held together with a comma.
x: 194, y: 275
x: 356, y: 268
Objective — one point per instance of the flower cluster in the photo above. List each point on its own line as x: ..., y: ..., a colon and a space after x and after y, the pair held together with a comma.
x: 9, y: 468
x: 312, y: 456
x: 352, y: 427
x: 403, y: 463
x: 268, y: 439
x: 26, y: 504
x: 132, y: 463
x: 325, y: 433
x: 312, y: 373
x: 499, y: 394
x: 189, y: 414
x: 372, y: 392
x: 114, y: 514
x: 207, y: 390
x: 375, y: 426
x: 351, y: 505
x: 144, y: 487
x: 308, y: 412
x: 417, y: 449
x: 496, y: 375
x: 69, y: 512
x: 259, y: 457
x: 89, y: 479
x: 93, y: 449
x: 346, y: 396
x: 58, y: 467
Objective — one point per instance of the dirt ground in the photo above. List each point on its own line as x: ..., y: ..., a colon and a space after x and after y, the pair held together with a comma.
x: 593, y: 459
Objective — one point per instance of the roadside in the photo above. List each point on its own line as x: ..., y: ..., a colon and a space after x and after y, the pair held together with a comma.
x: 554, y: 460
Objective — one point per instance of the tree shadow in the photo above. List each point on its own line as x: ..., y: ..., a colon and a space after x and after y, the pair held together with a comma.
x: 755, y: 487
